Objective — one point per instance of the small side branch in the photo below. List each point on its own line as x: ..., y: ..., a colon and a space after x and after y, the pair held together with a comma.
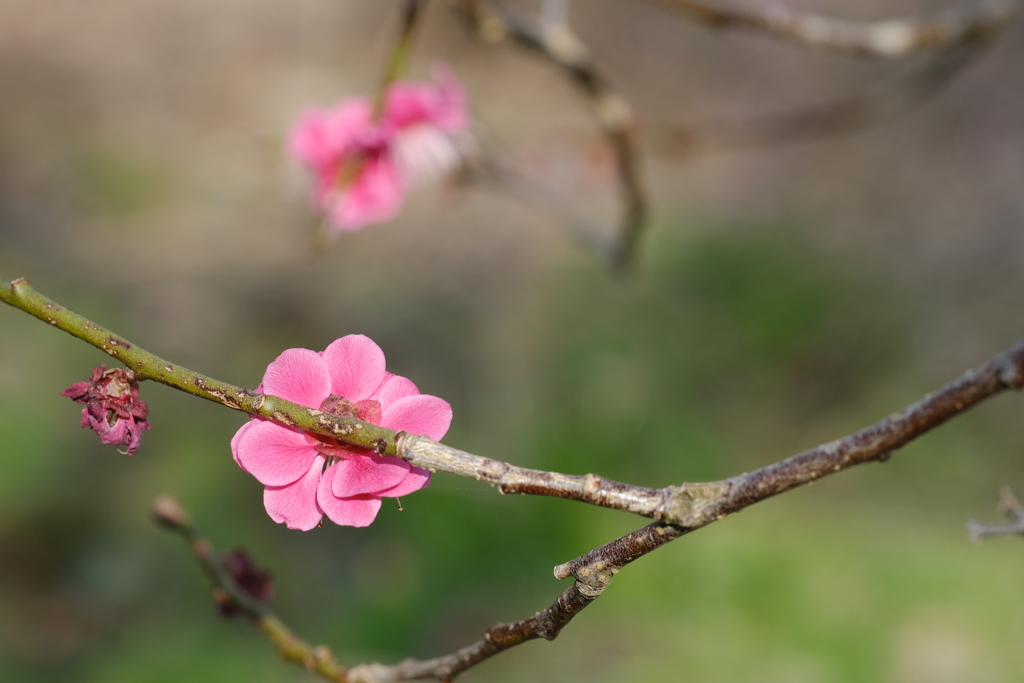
x: 556, y: 41
x: 892, y: 38
x: 548, y: 623
x: 886, y: 99
x: 228, y: 593
x: 1008, y: 505
x: 401, y: 48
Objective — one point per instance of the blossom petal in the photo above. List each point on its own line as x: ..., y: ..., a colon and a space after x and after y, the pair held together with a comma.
x: 441, y: 104
x: 418, y: 478
x: 421, y: 414
x: 367, y: 474
x: 299, y: 376
x: 275, y: 455
x: 424, y: 153
x: 354, y: 511
x: 320, y: 136
x: 375, y: 196
x: 356, y: 367
x: 238, y: 437
x: 393, y: 388
x: 295, y: 504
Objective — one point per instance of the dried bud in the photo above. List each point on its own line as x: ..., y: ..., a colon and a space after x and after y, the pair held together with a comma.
x: 250, y: 578
x: 113, y: 408
x: 169, y: 512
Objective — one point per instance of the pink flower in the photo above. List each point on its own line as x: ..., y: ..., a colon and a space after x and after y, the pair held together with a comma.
x: 363, y: 167
x: 306, y: 476
x: 113, y: 408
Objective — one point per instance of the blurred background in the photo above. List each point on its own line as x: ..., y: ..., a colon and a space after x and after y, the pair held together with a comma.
x: 783, y: 297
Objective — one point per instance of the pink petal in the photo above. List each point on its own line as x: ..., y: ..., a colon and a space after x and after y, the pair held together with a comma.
x: 110, y: 433
x: 347, y: 123
x: 76, y: 390
x: 307, y: 139
x: 375, y: 196
x: 275, y: 455
x: 421, y: 414
x: 355, y: 511
x: 369, y: 411
x: 320, y: 137
x: 367, y: 474
x: 238, y: 437
x: 393, y: 388
x: 295, y: 504
x: 417, y: 479
x: 299, y: 376
x: 409, y: 104
x: 424, y: 153
x: 356, y: 367
x: 441, y: 104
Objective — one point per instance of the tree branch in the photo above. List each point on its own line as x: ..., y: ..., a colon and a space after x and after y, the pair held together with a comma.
x: 892, y: 38
x: 690, y: 505
x: 556, y: 41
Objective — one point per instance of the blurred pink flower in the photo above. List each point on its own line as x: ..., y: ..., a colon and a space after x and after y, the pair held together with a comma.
x: 306, y: 476
x: 113, y: 408
x: 363, y: 167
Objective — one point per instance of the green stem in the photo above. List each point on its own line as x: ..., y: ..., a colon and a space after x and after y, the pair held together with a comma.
x: 150, y: 366
x: 400, y: 51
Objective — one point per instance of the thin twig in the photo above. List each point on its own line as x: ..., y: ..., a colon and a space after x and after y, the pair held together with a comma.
x: 1008, y: 505
x: 492, y: 172
x: 556, y: 41
x: 401, y: 48
x: 887, y: 99
x: 893, y: 38
x: 319, y: 660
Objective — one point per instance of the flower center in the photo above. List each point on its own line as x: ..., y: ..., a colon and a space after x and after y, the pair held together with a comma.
x: 367, y: 411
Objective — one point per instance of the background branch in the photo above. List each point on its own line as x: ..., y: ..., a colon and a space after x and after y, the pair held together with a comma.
x: 401, y: 47
x: 884, y: 100
x: 1008, y: 505
x: 972, y: 21
x: 556, y: 41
